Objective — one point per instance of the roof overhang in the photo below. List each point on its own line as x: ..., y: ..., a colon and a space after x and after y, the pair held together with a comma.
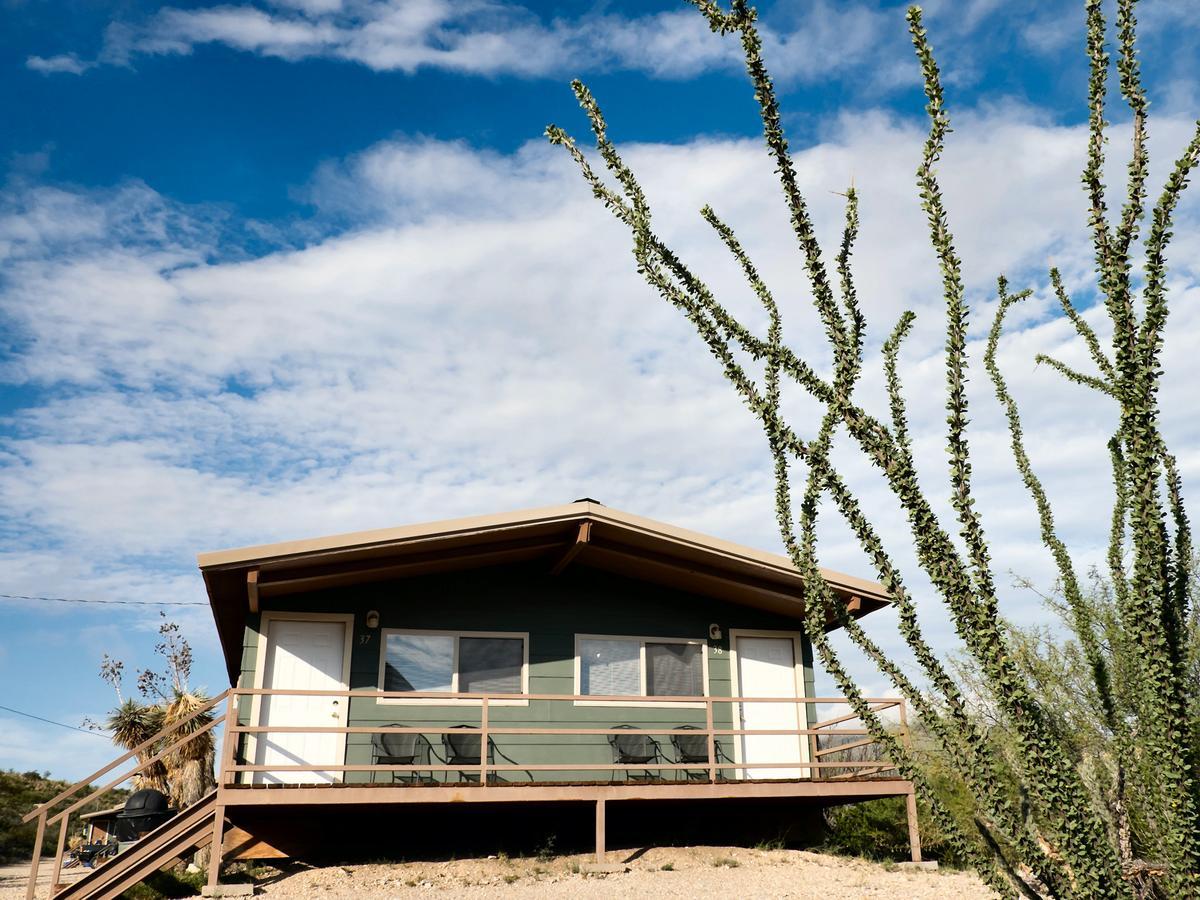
x: 109, y: 813
x: 583, y: 533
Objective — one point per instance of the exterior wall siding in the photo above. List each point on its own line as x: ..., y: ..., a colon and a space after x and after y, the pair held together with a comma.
x: 553, y: 610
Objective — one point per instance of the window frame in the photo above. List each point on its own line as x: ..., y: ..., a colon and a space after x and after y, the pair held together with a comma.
x: 454, y: 673
x: 643, y: 672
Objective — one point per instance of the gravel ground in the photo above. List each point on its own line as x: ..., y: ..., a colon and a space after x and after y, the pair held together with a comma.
x: 660, y: 872
x: 13, y: 879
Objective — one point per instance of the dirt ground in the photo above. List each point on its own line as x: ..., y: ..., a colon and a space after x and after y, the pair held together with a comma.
x: 13, y: 880
x: 659, y: 872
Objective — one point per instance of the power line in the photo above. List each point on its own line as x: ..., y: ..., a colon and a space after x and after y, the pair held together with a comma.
x: 52, y: 722
x: 104, y: 602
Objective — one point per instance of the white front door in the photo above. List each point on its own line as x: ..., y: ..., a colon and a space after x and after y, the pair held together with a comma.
x: 308, y: 655
x: 766, y: 667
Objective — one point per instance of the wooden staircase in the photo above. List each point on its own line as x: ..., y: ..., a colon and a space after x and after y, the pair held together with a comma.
x: 189, y: 831
x: 195, y: 827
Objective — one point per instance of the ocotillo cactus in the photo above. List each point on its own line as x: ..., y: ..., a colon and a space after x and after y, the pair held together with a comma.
x: 1056, y: 840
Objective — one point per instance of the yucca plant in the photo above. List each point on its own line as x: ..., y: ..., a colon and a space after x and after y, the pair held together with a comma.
x: 190, y: 767
x: 133, y: 723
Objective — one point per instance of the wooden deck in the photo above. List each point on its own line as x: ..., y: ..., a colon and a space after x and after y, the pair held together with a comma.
x: 516, y: 792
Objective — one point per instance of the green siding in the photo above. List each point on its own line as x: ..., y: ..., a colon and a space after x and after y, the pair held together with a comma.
x: 552, y: 610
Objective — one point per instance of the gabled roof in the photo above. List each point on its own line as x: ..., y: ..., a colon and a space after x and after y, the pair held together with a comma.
x: 582, y: 533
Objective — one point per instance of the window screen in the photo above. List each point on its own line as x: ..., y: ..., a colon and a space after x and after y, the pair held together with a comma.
x: 610, y: 668
x: 674, y: 670
x: 419, y: 662
x: 489, y: 665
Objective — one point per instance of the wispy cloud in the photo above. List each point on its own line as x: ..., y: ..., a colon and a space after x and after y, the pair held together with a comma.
x: 67, y: 63
x: 494, y: 37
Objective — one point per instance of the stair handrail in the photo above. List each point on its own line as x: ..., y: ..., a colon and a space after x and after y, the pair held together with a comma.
x: 155, y: 758
x: 120, y: 759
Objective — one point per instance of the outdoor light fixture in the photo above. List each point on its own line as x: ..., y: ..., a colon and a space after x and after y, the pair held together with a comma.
x: 373, y: 619
x: 714, y: 632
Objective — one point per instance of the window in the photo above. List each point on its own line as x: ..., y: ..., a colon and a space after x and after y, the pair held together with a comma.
x: 490, y: 665
x: 610, y: 667
x: 457, y: 662
x: 639, y: 667
x: 673, y: 670
x: 419, y: 662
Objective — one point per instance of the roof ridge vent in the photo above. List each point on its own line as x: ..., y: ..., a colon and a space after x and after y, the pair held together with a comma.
x: 588, y: 500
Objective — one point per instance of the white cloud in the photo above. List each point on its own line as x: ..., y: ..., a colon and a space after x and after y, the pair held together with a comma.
x: 67, y: 63
x: 478, y: 340
x: 496, y: 37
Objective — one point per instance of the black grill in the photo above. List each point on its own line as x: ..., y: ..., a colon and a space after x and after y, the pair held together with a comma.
x: 144, y: 811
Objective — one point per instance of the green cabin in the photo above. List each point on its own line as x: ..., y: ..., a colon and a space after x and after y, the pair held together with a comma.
x: 634, y: 623
x: 572, y: 654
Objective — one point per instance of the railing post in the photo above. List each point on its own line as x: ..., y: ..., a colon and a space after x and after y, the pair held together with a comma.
x: 814, y: 742
x: 484, y: 745
x: 229, y: 747
x: 712, y: 740
x: 56, y: 872
x: 31, y: 890
x: 801, y: 723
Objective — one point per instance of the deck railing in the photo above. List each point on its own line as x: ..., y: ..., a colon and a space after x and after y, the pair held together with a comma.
x: 824, y: 744
x: 46, y: 817
x: 823, y: 756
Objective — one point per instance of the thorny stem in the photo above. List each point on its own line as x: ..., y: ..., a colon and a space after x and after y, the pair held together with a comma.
x: 1064, y: 845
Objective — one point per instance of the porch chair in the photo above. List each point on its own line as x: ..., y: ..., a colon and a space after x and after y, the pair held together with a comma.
x: 693, y: 749
x: 391, y: 749
x: 91, y: 855
x: 635, y: 748
x: 463, y: 748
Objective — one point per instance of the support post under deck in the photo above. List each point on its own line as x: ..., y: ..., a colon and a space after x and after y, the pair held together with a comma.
x: 215, y: 848
x: 914, y: 833
x: 600, y: 832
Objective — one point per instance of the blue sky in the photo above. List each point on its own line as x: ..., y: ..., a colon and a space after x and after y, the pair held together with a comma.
x: 270, y: 271
x: 219, y: 125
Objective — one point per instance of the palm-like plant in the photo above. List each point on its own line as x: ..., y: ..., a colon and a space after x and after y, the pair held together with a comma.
x: 189, y: 768
x: 133, y: 723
